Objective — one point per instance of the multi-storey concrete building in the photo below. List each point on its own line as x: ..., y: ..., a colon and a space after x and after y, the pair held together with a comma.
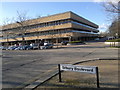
x: 58, y: 27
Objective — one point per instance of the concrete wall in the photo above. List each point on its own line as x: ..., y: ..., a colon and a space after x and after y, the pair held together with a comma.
x: 113, y: 43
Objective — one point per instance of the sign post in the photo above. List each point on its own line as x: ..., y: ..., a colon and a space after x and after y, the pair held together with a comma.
x: 97, y: 76
x: 79, y: 68
x: 59, y: 73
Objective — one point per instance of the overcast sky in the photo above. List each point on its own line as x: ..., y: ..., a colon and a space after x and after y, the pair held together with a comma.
x: 92, y: 11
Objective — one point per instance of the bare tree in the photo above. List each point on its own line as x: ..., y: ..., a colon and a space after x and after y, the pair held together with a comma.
x: 22, y: 21
x: 104, y: 34
x: 38, y: 16
x: 113, y: 10
x: 112, y: 7
x: 6, y: 33
x: 22, y: 16
x: 6, y: 21
x: 114, y: 28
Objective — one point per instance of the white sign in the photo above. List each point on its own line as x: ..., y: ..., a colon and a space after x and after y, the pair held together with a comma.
x: 78, y: 68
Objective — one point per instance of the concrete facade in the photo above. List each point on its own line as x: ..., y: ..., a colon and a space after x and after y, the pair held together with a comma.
x: 61, y: 26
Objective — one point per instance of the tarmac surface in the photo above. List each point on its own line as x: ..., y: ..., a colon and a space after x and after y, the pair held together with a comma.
x: 21, y: 68
x: 107, y: 71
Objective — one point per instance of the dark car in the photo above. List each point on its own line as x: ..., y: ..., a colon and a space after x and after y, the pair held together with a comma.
x: 28, y: 47
x: 48, y: 46
x: 64, y: 42
x: 25, y: 47
x: 12, y: 47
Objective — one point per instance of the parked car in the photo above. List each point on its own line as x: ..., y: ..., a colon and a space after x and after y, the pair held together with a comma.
x: 25, y: 47
x: 3, y: 48
x: 64, y: 42
x: 18, y: 48
x: 97, y: 39
x: 47, y: 46
x: 12, y: 47
x: 35, y: 46
x: 45, y: 43
x: 28, y: 47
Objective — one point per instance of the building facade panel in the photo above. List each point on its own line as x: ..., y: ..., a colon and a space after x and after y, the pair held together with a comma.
x: 81, y: 19
x: 83, y: 28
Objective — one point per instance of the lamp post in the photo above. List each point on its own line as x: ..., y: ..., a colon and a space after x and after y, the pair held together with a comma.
x: 22, y: 33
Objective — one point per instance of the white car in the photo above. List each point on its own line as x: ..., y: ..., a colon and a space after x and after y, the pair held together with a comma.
x: 47, y: 46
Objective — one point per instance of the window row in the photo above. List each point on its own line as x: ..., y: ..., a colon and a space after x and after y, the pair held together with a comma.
x: 53, y: 23
x: 51, y: 32
x: 82, y: 24
x: 59, y: 22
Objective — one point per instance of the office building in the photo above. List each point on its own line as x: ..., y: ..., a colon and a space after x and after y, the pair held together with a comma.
x: 66, y: 26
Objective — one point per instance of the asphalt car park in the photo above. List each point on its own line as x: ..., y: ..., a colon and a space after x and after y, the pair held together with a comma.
x: 22, y: 67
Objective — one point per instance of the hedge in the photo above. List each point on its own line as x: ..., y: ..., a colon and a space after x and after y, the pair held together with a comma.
x: 76, y: 42
x: 114, y: 40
